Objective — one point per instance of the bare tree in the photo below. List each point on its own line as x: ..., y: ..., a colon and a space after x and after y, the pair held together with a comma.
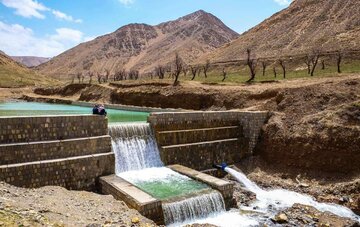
x: 308, y: 63
x: 339, y: 57
x: 206, y: 68
x: 160, y: 71
x: 264, y: 64
x: 185, y: 70
x: 194, y: 70
x: 224, y: 75
x: 107, y: 74
x: 133, y: 74
x: 99, y: 77
x: 314, y: 61
x: 323, y: 64
x: 178, y: 67
x: 82, y: 78
x: 283, y: 66
x: 91, y: 75
x: 251, y: 63
x: 274, y: 70
x: 78, y: 75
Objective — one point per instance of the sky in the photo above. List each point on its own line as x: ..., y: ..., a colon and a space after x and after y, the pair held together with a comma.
x: 46, y: 28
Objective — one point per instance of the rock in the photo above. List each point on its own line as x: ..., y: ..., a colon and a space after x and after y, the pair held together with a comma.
x: 135, y: 220
x: 280, y: 218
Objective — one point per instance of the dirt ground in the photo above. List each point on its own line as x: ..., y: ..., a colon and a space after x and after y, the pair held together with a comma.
x: 56, y: 206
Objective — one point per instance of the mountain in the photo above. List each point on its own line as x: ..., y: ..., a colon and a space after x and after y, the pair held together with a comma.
x: 30, y: 61
x: 13, y: 74
x: 306, y: 25
x: 143, y: 47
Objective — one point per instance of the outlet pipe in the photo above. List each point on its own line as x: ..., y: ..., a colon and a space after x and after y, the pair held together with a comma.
x: 220, y: 167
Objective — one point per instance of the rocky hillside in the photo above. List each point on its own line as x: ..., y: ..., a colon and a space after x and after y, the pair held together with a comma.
x: 13, y: 74
x: 305, y: 25
x: 142, y: 47
x: 30, y: 61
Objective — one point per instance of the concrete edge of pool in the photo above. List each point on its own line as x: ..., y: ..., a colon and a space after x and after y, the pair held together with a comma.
x: 151, y: 207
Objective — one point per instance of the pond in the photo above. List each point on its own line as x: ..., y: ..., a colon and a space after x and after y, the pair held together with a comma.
x: 38, y: 109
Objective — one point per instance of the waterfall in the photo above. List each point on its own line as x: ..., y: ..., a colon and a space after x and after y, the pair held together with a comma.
x: 281, y: 199
x: 134, y: 146
x: 193, y: 208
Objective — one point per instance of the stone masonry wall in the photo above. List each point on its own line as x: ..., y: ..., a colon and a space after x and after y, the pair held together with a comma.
x: 200, y: 139
x: 31, y: 129
x: 68, y: 151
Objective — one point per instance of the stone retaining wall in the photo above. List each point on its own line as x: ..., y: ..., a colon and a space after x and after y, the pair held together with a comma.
x: 200, y: 139
x: 44, y: 128
x: 68, y: 151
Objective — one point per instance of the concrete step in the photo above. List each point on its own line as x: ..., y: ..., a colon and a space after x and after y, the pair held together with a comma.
x: 135, y: 198
x: 175, y: 137
x: 203, y: 155
x: 78, y: 172
x: 56, y: 149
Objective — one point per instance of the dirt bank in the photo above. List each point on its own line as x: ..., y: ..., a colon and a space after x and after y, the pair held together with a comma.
x: 315, y: 123
x: 55, y: 206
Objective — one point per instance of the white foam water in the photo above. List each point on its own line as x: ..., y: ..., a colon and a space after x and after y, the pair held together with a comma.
x: 280, y: 199
x: 193, y: 208
x: 134, y: 146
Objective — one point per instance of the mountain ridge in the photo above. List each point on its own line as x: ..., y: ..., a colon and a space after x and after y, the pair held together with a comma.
x: 303, y: 27
x: 142, y: 47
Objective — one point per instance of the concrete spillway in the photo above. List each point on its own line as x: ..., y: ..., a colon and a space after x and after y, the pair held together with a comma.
x: 138, y: 162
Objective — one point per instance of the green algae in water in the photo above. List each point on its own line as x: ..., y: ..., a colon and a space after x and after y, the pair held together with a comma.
x: 38, y: 109
x: 163, y: 183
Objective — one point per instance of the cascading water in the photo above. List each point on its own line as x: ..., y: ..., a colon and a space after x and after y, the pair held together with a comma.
x: 193, y: 208
x: 134, y: 147
x: 138, y: 161
x: 280, y: 199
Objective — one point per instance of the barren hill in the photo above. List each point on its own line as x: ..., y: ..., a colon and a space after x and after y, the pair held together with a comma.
x: 13, y: 74
x: 142, y: 47
x: 326, y: 25
x: 30, y: 61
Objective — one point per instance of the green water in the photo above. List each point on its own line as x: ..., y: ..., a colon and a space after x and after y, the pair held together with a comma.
x: 33, y: 109
x: 169, y: 189
x: 163, y: 183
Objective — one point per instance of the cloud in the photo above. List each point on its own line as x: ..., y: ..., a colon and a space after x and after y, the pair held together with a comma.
x: 26, y: 8
x: 33, y: 8
x: 283, y: 2
x: 63, y: 16
x: 18, y: 40
x: 127, y: 2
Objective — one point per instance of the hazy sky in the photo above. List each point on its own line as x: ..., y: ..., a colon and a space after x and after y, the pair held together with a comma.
x: 49, y: 27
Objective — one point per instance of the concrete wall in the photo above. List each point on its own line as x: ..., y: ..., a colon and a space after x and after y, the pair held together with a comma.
x: 68, y: 151
x: 200, y: 139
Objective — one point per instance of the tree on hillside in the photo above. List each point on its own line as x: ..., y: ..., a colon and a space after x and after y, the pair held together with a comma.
x: 264, y: 64
x: 322, y: 64
x: 99, y: 77
x: 78, y: 75
x: 185, y: 70
x: 224, y: 75
x: 178, y: 67
x: 194, y: 70
x: 91, y: 75
x: 206, y: 68
x: 160, y: 71
x: 308, y: 63
x: 107, y: 74
x: 339, y: 57
x: 283, y: 66
x: 251, y: 63
x: 274, y: 70
x: 314, y: 61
